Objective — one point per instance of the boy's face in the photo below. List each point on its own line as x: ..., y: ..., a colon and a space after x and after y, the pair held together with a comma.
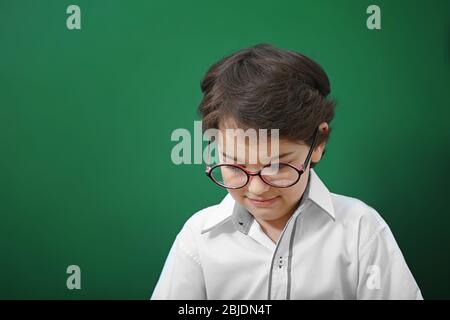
x: 263, y: 201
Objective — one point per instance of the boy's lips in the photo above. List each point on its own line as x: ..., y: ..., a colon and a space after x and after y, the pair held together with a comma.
x: 263, y: 202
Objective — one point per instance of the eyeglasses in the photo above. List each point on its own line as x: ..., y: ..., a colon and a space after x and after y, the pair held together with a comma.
x: 278, y: 175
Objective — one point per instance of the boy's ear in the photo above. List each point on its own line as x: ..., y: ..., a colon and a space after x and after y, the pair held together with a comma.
x: 318, y: 152
x: 320, y: 149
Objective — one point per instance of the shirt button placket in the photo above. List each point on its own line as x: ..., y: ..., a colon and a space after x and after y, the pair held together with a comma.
x: 279, y: 271
x: 280, y: 262
x: 280, y: 277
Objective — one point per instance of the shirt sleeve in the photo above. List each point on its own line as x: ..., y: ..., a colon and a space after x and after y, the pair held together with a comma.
x: 182, y: 275
x: 383, y: 272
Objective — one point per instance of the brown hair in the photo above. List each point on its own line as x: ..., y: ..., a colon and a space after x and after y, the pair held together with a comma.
x: 263, y: 87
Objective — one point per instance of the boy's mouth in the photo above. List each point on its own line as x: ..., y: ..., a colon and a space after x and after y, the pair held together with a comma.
x: 262, y: 202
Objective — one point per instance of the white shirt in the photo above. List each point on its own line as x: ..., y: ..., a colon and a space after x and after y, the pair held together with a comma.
x: 333, y: 247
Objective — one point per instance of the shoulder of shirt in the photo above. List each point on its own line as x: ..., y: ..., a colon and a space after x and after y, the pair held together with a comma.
x: 197, y: 221
x: 365, y: 221
x: 349, y: 209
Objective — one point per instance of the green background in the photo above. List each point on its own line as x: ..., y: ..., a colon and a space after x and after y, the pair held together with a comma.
x: 86, y: 117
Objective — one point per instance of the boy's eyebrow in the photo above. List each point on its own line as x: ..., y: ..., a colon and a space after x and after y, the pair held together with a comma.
x: 279, y: 157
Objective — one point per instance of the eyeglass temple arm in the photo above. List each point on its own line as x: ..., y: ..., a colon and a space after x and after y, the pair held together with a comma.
x: 208, y: 167
x: 313, y: 145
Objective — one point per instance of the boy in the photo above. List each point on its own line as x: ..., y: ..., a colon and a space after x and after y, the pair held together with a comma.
x: 279, y: 233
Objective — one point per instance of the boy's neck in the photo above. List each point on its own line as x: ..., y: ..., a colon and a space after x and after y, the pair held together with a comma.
x: 273, y: 228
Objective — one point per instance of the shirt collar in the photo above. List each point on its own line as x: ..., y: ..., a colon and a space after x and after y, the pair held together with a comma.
x: 316, y: 191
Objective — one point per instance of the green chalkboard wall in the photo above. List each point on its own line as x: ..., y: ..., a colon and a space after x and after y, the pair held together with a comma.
x: 86, y: 117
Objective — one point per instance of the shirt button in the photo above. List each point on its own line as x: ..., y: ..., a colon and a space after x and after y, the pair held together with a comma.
x: 280, y: 262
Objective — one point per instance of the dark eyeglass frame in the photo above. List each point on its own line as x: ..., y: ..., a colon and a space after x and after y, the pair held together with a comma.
x: 300, y: 170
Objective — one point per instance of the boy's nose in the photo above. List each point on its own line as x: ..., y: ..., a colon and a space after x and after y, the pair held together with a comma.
x: 256, y: 186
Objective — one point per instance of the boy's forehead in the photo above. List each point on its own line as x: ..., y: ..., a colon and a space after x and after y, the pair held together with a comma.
x: 231, y: 131
x: 252, y: 138
x: 248, y: 138
x: 252, y: 146
x: 254, y: 149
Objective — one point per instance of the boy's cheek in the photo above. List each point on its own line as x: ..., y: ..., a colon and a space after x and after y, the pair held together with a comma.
x: 237, y: 194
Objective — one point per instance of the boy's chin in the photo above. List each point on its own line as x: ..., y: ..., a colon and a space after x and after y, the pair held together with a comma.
x: 266, y: 213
